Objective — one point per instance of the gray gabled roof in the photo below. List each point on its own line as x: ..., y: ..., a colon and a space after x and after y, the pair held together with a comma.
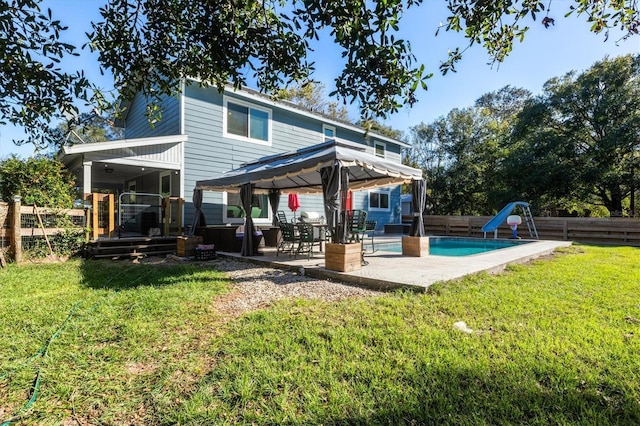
x: 298, y: 171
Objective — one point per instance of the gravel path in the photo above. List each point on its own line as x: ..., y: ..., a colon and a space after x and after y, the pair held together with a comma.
x: 256, y: 287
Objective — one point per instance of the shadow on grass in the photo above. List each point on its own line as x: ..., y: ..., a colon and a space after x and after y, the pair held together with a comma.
x: 447, y: 396
x: 125, y: 274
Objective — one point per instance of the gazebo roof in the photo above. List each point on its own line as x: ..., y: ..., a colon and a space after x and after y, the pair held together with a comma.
x: 298, y: 171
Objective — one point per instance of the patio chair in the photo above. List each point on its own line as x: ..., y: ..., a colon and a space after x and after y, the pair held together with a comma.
x: 356, y: 224
x: 307, y: 239
x: 289, y: 240
x: 282, y: 218
x: 370, y: 228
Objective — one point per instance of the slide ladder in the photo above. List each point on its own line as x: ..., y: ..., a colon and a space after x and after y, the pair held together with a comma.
x: 501, y: 217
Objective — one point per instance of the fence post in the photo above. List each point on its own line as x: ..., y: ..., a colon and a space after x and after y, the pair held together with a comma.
x: 16, y: 237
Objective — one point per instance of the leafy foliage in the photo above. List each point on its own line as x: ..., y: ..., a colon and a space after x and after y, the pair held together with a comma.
x: 579, y: 140
x: 38, y: 180
x: 149, y: 45
x: 462, y: 154
x: 497, y: 24
x: 89, y: 127
x: 311, y: 96
x: 576, y: 145
x: 34, y: 89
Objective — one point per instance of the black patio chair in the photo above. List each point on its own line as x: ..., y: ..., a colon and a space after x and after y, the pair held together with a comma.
x: 307, y: 239
x: 355, y: 221
x: 289, y: 240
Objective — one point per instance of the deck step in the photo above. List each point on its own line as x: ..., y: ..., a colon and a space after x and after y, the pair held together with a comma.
x: 131, y: 247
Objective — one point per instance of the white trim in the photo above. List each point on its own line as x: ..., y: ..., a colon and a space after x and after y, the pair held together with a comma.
x: 377, y: 143
x: 249, y: 106
x: 246, y: 93
x: 123, y: 143
x: 379, y: 191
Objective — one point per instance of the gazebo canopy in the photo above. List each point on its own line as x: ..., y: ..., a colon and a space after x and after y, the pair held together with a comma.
x: 331, y: 169
x: 299, y: 171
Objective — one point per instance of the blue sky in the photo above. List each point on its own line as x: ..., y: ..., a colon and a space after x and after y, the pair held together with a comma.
x: 545, y: 53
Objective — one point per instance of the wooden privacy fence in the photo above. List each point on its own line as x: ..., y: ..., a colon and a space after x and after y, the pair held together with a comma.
x: 621, y: 231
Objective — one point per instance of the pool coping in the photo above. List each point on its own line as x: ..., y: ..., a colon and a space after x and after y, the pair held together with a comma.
x: 388, y: 271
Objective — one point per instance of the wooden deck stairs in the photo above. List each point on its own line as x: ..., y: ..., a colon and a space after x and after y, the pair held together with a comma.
x: 131, y: 247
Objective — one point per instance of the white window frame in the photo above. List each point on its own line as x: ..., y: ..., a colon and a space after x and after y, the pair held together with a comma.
x: 326, y: 127
x: 380, y: 191
x: 249, y: 106
x: 377, y: 144
x: 240, y: 220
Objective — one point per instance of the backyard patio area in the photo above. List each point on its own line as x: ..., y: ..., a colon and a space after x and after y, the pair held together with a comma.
x: 386, y: 270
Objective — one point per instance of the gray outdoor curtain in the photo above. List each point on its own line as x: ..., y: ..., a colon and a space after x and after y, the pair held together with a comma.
x: 335, y: 181
x: 418, y: 200
x: 274, y: 200
x: 246, y: 194
x: 198, y: 217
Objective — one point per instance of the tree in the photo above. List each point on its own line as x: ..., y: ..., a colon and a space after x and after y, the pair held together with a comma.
x: 39, y: 180
x: 462, y: 153
x: 149, y: 45
x: 88, y: 127
x: 311, y: 96
x: 34, y: 89
x: 580, y: 140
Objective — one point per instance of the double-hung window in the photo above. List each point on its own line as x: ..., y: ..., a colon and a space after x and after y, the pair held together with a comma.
x: 247, y: 122
x: 379, y: 199
x: 380, y: 149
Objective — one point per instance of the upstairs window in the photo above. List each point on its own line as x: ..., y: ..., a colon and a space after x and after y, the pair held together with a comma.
x: 380, y: 149
x: 247, y: 122
x: 329, y: 133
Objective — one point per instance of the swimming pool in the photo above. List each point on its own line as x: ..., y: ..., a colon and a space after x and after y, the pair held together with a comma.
x: 456, y: 246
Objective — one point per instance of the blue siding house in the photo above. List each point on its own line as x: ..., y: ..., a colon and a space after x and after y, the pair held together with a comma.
x: 204, y: 133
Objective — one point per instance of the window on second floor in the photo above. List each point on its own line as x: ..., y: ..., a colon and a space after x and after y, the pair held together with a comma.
x: 329, y: 133
x: 379, y: 199
x: 380, y: 149
x: 246, y: 122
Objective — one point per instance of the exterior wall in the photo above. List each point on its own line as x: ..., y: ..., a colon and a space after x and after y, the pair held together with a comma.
x: 208, y: 153
x: 137, y: 125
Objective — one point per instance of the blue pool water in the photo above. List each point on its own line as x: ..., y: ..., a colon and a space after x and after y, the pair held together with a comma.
x: 449, y: 246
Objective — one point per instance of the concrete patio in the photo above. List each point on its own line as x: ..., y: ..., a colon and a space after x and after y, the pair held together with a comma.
x: 387, y: 270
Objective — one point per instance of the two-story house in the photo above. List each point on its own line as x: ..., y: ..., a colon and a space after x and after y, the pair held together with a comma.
x: 204, y: 133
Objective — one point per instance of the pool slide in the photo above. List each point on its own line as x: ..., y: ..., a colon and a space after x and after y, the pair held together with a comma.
x: 498, y: 219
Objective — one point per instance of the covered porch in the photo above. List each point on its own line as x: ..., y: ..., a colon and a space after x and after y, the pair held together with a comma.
x: 131, y: 187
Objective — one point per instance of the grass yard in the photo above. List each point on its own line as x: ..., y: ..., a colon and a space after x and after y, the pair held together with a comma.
x: 556, y: 341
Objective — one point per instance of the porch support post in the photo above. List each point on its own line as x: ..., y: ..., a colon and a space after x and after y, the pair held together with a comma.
x: 179, y: 218
x: 94, y: 216
x: 112, y: 215
x: 86, y: 178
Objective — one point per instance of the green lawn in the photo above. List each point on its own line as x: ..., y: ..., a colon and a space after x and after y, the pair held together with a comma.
x: 556, y: 341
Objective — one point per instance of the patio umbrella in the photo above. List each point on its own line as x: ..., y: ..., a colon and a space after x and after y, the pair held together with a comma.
x: 294, y: 204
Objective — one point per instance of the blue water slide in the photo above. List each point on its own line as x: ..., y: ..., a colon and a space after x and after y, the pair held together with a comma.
x: 502, y: 215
